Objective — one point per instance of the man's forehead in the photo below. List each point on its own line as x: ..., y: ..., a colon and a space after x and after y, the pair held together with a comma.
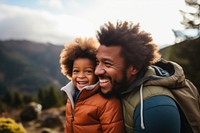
x: 108, y: 52
x: 109, y: 49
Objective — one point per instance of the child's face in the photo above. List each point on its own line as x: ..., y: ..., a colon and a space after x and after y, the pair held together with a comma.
x: 83, y: 73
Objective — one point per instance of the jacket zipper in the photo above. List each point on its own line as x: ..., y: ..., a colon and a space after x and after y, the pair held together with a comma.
x: 72, y: 115
x: 72, y: 121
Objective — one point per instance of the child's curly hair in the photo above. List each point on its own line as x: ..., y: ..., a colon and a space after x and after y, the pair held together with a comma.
x: 79, y: 48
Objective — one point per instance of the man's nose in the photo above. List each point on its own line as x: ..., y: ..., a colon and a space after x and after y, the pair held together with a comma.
x: 99, y: 70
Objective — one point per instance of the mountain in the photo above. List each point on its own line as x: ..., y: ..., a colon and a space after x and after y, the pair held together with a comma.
x: 27, y: 66
x: 187, y: 54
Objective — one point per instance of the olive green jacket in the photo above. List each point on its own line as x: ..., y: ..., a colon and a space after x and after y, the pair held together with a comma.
x: 162, y: 79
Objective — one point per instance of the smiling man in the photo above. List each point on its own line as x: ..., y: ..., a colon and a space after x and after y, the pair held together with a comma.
x: 129, y: 64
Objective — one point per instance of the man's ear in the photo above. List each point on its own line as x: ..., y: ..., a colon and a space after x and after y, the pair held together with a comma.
x: 132, y: 70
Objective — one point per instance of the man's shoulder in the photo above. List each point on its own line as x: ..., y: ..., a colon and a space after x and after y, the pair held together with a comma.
x: 160, y: 113
x: 159, y: 100
x: 147, y: 92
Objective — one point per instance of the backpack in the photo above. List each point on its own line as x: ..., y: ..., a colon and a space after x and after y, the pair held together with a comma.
x: 188, y: 99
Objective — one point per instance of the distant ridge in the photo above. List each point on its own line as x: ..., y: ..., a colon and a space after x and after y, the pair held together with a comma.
x: 27, y: 66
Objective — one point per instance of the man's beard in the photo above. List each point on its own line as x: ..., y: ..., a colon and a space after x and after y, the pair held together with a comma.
x: 107, y: 95
x: 118, y: 87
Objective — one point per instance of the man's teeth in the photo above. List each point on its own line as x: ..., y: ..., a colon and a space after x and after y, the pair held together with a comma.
x: 103, y: 80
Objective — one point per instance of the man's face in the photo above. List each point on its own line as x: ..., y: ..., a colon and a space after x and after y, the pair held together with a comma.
x: 110, y: 68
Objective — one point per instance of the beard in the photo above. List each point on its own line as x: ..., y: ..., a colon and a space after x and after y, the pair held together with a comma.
x: 117, y: 87
x: 107, y: 95
x: 120, y: 86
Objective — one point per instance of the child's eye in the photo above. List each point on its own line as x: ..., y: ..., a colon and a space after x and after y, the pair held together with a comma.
x: 89, y: 71
x: 75, y: 71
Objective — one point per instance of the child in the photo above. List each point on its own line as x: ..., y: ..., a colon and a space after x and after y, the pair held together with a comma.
x: 86, y: 110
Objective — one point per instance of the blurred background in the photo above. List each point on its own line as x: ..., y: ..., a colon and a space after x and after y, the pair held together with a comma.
x: 33, y: 32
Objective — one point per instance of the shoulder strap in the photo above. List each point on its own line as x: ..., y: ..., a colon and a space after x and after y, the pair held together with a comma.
x: 188, y: 100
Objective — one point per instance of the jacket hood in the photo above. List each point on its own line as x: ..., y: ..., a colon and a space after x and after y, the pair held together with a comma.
x: 169, y: 74
x: 164, y: 73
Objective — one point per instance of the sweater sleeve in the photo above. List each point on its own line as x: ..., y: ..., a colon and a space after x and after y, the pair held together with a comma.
x: 161, y: 115
x: 112, y: 117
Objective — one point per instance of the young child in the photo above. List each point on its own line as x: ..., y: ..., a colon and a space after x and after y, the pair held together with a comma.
x: 86, y: 110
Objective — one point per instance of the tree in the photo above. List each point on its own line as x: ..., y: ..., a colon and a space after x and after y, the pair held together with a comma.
x: 8, y: 98
x: 191, y: 22
x: 50, y: 97
x: 191, y: 18
x: 17, y: 101
x: 54, y: 97
x: 27, y: 98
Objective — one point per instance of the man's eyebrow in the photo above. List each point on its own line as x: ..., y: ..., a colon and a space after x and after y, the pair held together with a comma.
x: 106, y: 59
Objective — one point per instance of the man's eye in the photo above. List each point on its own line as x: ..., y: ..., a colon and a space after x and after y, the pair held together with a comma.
x: 97, y: 62
x: 108, y: 64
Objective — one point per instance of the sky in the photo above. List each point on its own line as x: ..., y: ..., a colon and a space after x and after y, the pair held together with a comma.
x: 60, y: 21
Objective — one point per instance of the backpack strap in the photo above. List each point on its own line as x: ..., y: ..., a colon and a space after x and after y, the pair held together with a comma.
x: 188, y: 100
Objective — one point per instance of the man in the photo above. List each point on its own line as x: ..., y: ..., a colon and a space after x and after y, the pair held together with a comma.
x: 124, y: 66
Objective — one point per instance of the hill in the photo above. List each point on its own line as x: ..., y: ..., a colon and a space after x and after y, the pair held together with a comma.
x: 27, y: 66
x: 187, y: 54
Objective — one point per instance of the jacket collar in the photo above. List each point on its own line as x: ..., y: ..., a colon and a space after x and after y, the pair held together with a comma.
x: 87, y: 91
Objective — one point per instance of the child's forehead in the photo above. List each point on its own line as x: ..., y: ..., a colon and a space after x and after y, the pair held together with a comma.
x: 85, y: 61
